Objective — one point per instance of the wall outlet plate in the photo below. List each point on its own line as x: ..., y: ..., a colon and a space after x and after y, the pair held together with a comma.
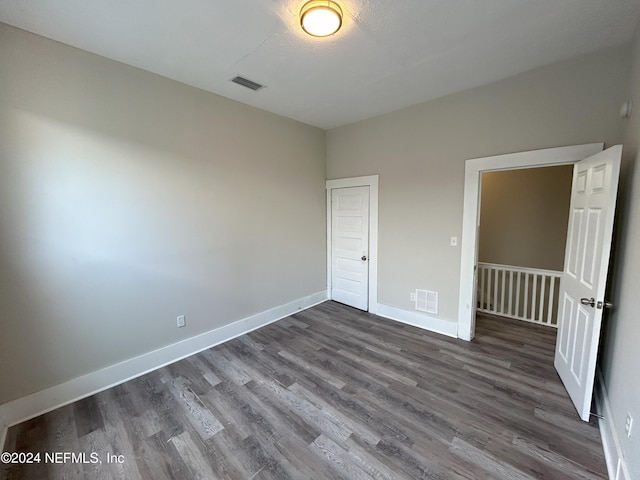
x: 454, y: 241
x: 413, y: 296
x: 181, y: 321
x: 628, y: 424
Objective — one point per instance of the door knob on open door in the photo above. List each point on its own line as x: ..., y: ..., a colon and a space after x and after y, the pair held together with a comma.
x: 588, y: 301
x: 364, y: 257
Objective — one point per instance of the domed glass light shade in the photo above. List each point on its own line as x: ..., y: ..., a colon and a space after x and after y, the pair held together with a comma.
x: 321, y: 18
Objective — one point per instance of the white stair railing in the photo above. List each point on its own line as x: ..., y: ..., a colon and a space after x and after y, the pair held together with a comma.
x: 527, y: 294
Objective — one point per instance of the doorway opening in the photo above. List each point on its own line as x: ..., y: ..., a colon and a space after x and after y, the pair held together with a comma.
x: 471, y: 214
x: 522, y: 236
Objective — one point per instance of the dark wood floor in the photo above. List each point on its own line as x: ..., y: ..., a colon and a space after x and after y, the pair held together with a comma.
x: 332, y: 393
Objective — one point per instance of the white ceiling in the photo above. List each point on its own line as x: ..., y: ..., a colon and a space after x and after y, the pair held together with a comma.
x: 389, y: 54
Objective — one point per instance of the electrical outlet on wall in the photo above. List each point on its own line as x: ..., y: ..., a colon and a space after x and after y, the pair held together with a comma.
x: 628, y: 424
x: 181, y: 321
x: 413, y: 296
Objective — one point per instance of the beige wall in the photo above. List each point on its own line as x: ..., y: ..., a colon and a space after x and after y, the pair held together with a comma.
x: 127, y: 199
x: 524, y: 216
x: 419, y: 153
x: 620, y: 355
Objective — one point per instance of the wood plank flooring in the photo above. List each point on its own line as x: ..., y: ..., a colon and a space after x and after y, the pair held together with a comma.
x: 331, y: 393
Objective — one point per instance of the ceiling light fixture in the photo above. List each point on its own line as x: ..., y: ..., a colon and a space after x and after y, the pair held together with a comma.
x: 321, y: 18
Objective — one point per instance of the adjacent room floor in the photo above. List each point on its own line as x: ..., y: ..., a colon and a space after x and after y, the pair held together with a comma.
x: 330, y: 393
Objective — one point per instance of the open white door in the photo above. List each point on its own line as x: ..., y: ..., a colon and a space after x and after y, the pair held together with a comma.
x: 350, y: 246
x: 584, y: 278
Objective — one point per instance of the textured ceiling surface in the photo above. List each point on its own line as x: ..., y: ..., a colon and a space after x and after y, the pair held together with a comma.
x: 389, y: 54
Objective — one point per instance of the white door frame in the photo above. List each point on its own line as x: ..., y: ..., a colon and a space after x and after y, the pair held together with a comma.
x: 372, y: 182
x: 471, y: 213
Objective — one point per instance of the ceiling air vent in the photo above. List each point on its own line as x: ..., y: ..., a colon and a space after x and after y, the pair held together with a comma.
x: 427, y: 301
x: 245, y: 82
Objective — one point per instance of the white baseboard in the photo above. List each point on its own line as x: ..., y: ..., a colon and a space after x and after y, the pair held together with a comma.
x: 427, y: 322
x: 22, y: 409
x: 613, y: 454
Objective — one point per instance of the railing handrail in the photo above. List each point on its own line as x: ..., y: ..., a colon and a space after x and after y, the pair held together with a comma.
x: 511, y: 268
x: 523, y: 293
